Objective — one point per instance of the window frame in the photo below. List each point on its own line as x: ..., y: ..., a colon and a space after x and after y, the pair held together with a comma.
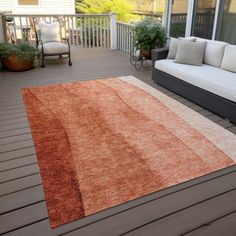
x: 28, y: 6
x: 189, y: 22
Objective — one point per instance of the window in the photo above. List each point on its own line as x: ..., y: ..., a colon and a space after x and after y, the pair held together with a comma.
x: 28, y: 2
x: 227, y: 27
x: 178, y: 18
x: 203, y: 18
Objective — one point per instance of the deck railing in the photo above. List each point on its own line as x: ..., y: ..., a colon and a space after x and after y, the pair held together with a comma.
x: 125, y: 38
x: 84, y: 30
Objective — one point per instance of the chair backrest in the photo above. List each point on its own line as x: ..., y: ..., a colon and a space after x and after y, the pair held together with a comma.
x: 46, y: 31
x: 34, y: 26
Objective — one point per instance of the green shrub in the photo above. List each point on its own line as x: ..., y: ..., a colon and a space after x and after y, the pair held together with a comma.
x: 22, y: 50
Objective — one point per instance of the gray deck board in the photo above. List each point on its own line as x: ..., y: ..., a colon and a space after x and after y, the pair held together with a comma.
x: 190, y: 217
x: 20, y: 184
x: 11, y: 155
x: 18, y: 172
x: 21, y: 199
x: 14, y: 132
x: 19, y: 162
x: 181, y: 209
x: 222, y: 226
x: 16, y: 138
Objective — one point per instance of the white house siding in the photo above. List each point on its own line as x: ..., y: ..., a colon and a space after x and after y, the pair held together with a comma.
x: 44, y: 7
x: 6, y: 5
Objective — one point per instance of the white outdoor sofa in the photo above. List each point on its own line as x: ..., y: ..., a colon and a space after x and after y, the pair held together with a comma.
x: 211, y: 85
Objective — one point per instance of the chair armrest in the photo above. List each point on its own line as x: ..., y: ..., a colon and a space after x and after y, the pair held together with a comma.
x: 65, y: 39
x: 159, y: 54
x: 39, y: 41
x: 68, y: 42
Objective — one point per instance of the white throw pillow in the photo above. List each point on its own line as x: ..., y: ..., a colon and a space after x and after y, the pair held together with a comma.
x: 214, y: 52
x: 229, y: 58
x: 190, y: 52
x: 49, y: 32
x: 173, y: 48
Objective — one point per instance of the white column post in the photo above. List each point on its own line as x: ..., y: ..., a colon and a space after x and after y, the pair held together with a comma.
x: 189, y: 20
x: 167, y: 16
x: 216, y: 19
x: 113, y: 28
x: 2, y: 31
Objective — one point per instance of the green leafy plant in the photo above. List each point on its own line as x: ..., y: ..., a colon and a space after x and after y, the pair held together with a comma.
x: 149, y: 34
x: 23, y: 51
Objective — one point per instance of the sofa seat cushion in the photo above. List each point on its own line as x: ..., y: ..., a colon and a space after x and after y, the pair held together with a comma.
x: 214, y: 52
x: 54, y: 48
x: 212, y: 79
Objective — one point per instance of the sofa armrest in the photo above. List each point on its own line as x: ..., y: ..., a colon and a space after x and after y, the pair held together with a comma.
x: 159, y: 54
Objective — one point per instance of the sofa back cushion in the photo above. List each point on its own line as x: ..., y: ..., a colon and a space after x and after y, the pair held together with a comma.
x: 174, y: 46
x: 214, y: 52
x: 190, y: 52
x: 229, y: 58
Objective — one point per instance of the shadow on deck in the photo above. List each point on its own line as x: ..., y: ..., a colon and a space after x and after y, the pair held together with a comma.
x: 204, y: 206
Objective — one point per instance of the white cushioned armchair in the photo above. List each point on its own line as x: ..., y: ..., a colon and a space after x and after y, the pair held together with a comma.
x: 49, y: 41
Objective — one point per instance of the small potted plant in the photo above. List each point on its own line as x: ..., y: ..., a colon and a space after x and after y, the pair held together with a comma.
x: 18, y: 57
x: 148, y: 34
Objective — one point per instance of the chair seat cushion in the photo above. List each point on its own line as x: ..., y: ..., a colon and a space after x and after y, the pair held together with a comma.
x: 51, y: 48
x: 212, y: 79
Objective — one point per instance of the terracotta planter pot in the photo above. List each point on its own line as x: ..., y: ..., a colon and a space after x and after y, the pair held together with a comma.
x: 146, y: 53
x: 14, y: 63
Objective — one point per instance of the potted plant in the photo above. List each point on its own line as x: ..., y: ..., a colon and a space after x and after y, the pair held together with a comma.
x: 17, y: 57
x: 148, y: 34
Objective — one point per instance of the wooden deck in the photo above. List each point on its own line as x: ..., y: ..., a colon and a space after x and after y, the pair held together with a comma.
x: 204, y: 206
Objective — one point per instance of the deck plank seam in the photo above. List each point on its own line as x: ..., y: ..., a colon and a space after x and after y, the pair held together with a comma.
x: 3, y: 195
x: 31, y: 146
x: 34, y: 222
x: 9, y: 119
x: 17, y: 157
x: 19, y: 177
x: 12, y: 130
x: 182, y: 209
x: 208, y: 223
x: 16, y: 141
x: 19, y: 208
x: 156, y: 198
x: 13, y: 168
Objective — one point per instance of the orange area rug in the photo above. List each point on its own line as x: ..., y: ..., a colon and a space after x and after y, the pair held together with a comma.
x: 104, y: 142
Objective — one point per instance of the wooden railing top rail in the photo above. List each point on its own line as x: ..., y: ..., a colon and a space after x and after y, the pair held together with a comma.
x: 122, y: 23
x: 51, y: 15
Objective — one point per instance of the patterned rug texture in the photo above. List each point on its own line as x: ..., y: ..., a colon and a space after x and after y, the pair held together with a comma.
x: 101, y: 143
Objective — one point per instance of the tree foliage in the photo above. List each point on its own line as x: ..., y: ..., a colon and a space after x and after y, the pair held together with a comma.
x: 149, y: 6
x: 121, y: 7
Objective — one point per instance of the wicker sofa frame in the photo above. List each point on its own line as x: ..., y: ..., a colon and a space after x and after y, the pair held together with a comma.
x: 217, y: 104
